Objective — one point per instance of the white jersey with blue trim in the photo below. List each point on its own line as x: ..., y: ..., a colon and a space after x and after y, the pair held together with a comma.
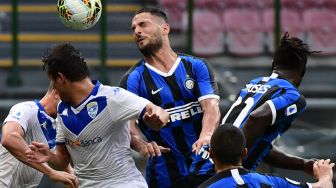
x: 97, y: 135
x: 36, y: 124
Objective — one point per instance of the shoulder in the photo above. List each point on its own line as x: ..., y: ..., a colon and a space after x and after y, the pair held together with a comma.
x: 192, y: 59
x: 24, y: 108
x: 134, y: 73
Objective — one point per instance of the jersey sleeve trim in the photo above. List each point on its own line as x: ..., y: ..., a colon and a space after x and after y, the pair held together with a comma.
x: 310, y: 185
x: 211, y: 96
x: 272, y: 107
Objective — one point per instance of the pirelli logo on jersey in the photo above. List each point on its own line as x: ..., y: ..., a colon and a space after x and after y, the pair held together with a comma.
x: 184, y: 112
x: 256, y: 88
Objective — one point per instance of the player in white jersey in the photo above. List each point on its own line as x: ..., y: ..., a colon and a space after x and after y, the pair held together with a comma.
x: 94, y: 124
x: 27, y: 121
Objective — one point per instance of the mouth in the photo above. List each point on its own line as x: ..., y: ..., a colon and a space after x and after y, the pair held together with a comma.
x: 140, y: 39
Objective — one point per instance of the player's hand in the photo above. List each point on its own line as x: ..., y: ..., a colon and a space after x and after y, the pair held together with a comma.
x: 69, y: 180
x: 152, y: 149
x: 323, y: 169
x: 308, y: 166
x: 155, y: 117
x: 38, y: 152
x: 203, y: 140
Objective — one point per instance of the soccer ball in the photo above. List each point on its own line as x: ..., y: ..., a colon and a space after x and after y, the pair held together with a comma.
x: 79, y: 14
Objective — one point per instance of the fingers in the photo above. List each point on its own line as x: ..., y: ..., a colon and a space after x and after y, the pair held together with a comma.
x: 152, y: 149
x: 196, y: 147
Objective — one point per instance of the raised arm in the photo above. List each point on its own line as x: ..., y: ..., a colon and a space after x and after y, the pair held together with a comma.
x: 210, y: 122
x: 13, y: 141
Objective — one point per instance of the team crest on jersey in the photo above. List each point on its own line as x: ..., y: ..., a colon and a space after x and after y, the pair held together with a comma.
x: 189, y: 83
x: 292, y: 109
x: 92, y: 109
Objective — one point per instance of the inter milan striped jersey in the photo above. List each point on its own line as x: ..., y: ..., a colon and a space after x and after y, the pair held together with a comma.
x: 285, y: 102
x: 97, y: 136
x: 38, y: 126
x: 179, y: 92
x: 239, y: 177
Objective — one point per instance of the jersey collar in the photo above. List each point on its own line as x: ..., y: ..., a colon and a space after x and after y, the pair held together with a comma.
x: 171, y: 71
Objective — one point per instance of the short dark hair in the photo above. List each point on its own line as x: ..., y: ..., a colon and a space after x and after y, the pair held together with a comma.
x: 227, y: 144
x: 153, y: 11
x: 65, y: 59
x: 291, y: 54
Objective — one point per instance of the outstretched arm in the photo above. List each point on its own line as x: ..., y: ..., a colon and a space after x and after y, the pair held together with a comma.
x: 210, y: 122
x: 280, y: 159
x: 155, y: 117
x: 13, y: 141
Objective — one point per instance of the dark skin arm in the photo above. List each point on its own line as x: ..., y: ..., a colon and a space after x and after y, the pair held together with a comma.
x: 257, y: 123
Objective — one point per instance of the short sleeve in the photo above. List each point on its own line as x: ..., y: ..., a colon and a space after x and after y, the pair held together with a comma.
x: 287, y: 105
x: 124, y: 105
x: 207, y: 86
x: 22, y: 114
x: 60, y: 139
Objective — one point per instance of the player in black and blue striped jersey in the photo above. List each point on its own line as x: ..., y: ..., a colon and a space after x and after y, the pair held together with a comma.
x: 181, y: 84
x: 228, y: 148
x: 266, y: 107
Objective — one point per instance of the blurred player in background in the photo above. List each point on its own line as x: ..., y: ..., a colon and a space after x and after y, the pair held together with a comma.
x: 93, y: 128
x: 181, y: 84
x: 228, y: 149
x: 28, y: 121
x: 266, y: 107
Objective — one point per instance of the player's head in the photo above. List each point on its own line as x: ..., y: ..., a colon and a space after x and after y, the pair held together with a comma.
x: 291, y: 55
x: 64, y: 64
x: 150, y: 30
x: 228, y: 145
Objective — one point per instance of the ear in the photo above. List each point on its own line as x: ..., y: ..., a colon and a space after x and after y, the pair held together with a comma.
x: 60, y: 77
x: 211, y: 153
x: 244, y: 153
x: 166, y: 28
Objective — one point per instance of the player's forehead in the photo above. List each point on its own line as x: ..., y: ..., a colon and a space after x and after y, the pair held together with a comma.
x: 144, y: 17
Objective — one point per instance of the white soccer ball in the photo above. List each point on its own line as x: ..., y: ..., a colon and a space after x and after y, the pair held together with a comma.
x: 79, y: 14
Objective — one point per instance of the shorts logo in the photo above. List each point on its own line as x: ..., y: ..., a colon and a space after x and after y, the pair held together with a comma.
x: 189, y: 83
x: 92, y: 109
x: 292, y: 109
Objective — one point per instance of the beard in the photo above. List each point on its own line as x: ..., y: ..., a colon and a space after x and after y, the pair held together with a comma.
x: 153, y: 46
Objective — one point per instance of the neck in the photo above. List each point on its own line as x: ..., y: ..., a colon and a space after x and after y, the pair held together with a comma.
x: 80, y: 90
x: 223, y: 167
x: 48, y: 106
x: 163, y: 59
x: 289, y: 75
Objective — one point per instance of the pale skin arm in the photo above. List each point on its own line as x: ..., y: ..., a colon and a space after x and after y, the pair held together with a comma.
x: 323, y: 173
x: 210, y: 122
x: 155, y: 117
x: 13, y: 141
x: 139, y: 144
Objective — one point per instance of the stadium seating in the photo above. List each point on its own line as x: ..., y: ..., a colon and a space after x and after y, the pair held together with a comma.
x: 208, y: 35
x: 320, y: 25
x: 244, y: 32
x: 297, y: 4
x: 176, y: 11
x: 290, y: 22
x: 212, y: 5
